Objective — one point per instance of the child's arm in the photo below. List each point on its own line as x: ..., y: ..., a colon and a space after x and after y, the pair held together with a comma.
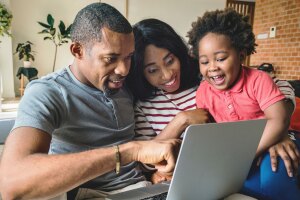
x: 278, y: 119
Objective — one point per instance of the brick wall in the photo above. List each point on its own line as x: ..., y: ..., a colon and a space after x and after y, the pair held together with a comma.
x: 283, y: 51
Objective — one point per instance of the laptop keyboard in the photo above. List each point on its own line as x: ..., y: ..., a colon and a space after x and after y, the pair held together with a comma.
x: 161, y: 196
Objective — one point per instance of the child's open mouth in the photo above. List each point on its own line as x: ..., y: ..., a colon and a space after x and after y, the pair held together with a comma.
x: 218, y: 80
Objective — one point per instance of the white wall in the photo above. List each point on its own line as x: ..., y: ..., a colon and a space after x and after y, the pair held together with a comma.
x: 178, y: 13
x: 26, y: 13
x: 6, y: 62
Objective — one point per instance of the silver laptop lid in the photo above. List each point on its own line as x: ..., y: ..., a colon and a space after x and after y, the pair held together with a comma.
x: 215, y: 159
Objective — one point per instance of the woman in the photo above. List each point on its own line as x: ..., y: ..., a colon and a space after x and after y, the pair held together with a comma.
x: 164, y: 79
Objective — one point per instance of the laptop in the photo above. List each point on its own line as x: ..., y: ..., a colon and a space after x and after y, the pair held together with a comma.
x: 213, y: 163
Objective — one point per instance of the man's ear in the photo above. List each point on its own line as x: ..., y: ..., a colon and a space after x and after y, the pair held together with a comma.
x: 76, y: 50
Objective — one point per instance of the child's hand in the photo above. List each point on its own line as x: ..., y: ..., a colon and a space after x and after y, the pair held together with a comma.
x: 158, y: 177
x: 288, y: 152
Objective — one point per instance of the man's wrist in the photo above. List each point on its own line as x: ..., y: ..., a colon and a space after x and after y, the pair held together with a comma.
x: 128, y: 152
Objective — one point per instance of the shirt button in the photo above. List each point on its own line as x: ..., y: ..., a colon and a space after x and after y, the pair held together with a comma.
x: 229, y: 106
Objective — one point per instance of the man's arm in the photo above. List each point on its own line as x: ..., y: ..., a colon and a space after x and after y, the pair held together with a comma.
x: 28, y: 172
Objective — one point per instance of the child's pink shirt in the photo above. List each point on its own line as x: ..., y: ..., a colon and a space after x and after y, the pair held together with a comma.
x: 247, y: 99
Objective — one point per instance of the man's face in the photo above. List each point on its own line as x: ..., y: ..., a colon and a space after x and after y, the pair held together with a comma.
x: 106, y: 64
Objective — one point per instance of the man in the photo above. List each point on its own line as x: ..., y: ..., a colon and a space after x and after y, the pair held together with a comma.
x: 83, y: 116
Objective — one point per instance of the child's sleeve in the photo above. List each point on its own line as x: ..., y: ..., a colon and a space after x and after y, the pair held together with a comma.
x: 200, y: 96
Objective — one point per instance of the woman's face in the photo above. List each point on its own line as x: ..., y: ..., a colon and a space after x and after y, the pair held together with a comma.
x: 219, y: 62
x: 162, y: 68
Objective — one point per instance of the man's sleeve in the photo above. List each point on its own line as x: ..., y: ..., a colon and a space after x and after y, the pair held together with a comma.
x: 41, y: 107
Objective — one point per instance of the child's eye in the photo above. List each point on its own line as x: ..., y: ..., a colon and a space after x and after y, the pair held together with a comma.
x: 220, y: 59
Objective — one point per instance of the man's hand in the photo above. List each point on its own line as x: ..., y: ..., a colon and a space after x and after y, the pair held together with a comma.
x: 161, y: 153
x: 158, y: 177
x: 288, y: 152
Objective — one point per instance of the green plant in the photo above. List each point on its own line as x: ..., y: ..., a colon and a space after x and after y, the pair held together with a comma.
x: 57, y: 36
x: 5, y: 21
x: 24, y: 51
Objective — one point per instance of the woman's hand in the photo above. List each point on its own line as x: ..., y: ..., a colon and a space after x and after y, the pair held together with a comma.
x: 288, y: 152
x: 196, y: 116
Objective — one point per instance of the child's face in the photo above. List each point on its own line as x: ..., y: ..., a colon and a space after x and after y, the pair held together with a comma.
x: 162, y: 68
x: 219, y: 62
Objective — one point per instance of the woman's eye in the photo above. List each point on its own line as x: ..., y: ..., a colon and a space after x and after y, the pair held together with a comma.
x: 170, y: 61
x: 151, y: 71
x: 203, y: 62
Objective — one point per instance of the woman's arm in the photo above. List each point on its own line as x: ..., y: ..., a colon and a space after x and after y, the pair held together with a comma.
x: 182, y: 120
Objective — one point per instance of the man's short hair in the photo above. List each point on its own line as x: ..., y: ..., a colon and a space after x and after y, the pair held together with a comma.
x: 86, y: 28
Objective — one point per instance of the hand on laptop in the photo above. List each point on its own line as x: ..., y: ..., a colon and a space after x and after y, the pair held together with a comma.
x: 161, y: 153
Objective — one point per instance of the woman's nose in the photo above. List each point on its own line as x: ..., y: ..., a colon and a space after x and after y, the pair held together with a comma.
x: 167, y: 74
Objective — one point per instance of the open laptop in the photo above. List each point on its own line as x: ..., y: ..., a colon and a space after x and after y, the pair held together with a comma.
x: 213, y: 163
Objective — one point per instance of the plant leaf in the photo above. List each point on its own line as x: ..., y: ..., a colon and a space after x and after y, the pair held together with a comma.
x: 50, y: 20
x: 48, y: 38
x: 52, y: 31
x: 69, y: 29
x: 62, y: 27
x: 44, y: 31
x: 44, y: 25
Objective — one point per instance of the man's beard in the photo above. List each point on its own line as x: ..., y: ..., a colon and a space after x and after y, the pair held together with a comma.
x: 108, y: 91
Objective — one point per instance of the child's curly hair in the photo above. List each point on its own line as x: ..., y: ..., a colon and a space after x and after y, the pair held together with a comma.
x: 226, y: 22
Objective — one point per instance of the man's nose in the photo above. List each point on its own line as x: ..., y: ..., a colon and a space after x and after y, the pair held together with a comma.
x: 122, y: 68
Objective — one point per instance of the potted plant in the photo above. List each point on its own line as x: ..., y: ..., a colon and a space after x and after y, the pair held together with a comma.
x: 57, y: 36
x: 5, y: 21
x: 25, y: 53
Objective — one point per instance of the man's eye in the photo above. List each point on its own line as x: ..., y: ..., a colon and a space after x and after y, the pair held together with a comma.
x: 109, y: 60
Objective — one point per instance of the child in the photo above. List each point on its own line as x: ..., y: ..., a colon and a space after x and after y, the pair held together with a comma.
x: 221, y: 40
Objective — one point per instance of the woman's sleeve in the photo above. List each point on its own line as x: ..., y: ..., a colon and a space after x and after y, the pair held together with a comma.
x: 143, y: 129
x: 286, y: 89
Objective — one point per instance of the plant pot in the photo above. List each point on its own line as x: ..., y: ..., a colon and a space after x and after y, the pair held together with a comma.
x: 27, y: 64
